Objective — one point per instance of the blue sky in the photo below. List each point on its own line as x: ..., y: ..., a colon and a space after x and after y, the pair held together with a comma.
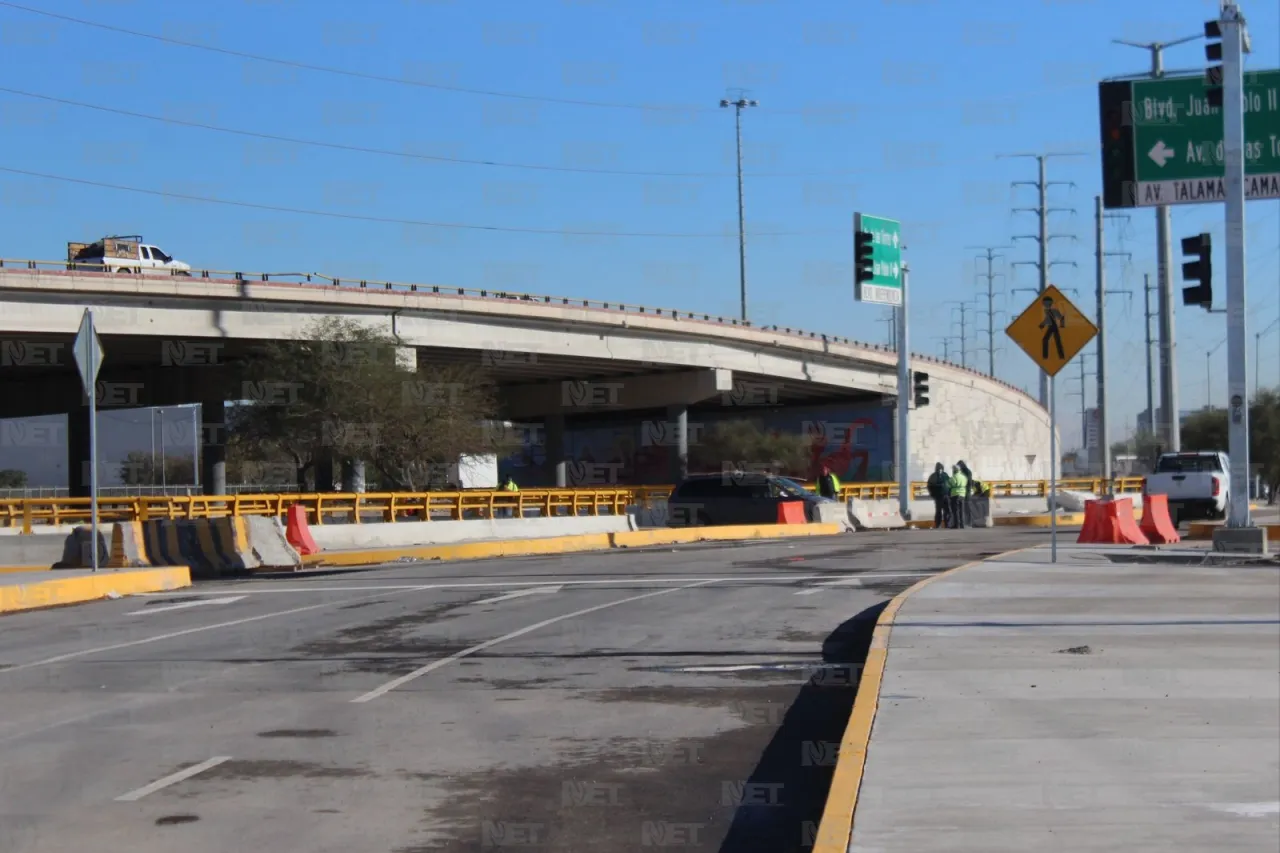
x: 898, y: 109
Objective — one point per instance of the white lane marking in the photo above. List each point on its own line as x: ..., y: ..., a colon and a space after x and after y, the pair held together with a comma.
x: 442, y: 662
x: 629, y: 581
x: 172, y: 779
x: 538, y: 590
x: 186, y: 632
x: 858, y: 580
x: 1248, y: 809
x: 230, y: 599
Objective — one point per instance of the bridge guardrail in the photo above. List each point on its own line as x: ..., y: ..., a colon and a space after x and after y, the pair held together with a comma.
x: 496, y: 294
x: 338, y: 507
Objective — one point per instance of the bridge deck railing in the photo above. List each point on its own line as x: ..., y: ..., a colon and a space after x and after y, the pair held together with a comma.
x: 25, y: 514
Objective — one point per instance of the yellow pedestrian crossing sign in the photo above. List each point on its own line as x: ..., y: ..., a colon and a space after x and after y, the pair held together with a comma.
x: 1052, y: 330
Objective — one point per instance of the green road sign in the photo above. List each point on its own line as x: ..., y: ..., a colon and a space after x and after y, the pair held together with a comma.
x: 885, y: 285
x: 1175, y: 141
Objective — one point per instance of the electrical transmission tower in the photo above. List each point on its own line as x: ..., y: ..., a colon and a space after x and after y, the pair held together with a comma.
x: 990, y: 275
x: 1042, y: 210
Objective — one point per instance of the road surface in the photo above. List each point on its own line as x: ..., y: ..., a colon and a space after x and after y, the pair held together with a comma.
x: 613, y: 701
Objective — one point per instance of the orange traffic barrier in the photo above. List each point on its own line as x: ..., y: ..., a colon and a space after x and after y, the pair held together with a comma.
x: 1156, y: 523
x: 298, y: 532
x: 791, y: 512
x: 1110, y: 522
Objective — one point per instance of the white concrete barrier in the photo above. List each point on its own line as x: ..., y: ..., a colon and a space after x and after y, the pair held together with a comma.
x: 335, y: 537
x: 269, y: 544
x: 875, y: 515
x: 834, y: 513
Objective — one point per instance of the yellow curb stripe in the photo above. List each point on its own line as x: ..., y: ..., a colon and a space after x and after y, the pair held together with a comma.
x: 1204, y: 530
x: 14, y: 570
x: 1071, y: 519
x: 88, y: 587
x: 569, y: 544
x: 836, y: 829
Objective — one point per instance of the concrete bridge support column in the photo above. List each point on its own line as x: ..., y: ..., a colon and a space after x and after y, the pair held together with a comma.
x: 679, y: 415
x: 553, y: 435
x: 78, y: 451
x: 213, y: 446
x: 324, y: 471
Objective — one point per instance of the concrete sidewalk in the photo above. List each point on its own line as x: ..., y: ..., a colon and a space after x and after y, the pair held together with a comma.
x: 1091, y: 705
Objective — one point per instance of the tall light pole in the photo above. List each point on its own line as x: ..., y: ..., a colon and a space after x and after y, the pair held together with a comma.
x: 738, y: 106
x: 1257, y: 360
x: 1208, y: 374
x: 1169, y: 429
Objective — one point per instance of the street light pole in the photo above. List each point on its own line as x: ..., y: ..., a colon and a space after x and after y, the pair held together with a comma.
x: 1169, y: 429
x: 738, y: 106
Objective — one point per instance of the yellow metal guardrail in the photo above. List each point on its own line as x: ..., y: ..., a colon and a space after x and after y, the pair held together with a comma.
x: 345, y: 508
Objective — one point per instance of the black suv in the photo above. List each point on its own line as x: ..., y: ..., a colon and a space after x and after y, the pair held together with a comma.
x: 735, y: 498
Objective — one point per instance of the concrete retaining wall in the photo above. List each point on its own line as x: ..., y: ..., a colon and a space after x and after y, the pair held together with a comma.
x: 1000, y: 433
x: 400, y: 534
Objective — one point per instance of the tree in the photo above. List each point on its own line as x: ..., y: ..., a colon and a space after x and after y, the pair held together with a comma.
x: 1143, y: 444
x: 1207, y: 430
x: 138, y: 469
x: 743, y: 444
x: 12, y: 478
x: 341, y: 395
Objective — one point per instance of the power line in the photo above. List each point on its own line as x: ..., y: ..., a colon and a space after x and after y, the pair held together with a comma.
x: 461, y: 226
x: 344, y: 72
x: 914, y: 106
x: 388, y: 152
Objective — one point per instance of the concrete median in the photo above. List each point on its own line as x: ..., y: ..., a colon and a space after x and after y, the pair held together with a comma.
x: 55, y: 589
x: 567, y: 544
x: 408, y: 534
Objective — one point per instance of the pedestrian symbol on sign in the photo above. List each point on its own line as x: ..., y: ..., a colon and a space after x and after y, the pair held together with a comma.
x: 1053, y: 321
x: 1052, y: 330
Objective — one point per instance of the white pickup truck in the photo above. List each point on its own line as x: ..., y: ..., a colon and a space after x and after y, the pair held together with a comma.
x: 125, y: 255
x: 1195, y: 483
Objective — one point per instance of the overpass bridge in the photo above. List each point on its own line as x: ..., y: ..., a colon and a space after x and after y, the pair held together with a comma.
x: 173, y: 340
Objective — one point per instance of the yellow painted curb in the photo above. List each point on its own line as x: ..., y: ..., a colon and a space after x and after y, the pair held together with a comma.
x: 89, y: 587
x: 16, y: 570
x: 836, y: 828
x: 1204, y: 530
x: 568, y: 544
x: 677, y: 536
x: 1067, y: 519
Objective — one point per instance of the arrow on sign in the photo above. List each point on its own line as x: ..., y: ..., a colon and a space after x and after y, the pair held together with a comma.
x: 1161, y: 153
x: 231, y: 599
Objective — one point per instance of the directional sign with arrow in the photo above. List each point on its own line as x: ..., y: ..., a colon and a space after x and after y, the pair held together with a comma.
x: 1161, y: 153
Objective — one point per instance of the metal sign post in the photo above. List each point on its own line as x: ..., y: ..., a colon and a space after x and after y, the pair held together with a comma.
x: 1053, y: 331
x: 1233, y: 120
x: 904, y: 407
x: 88, y: 355
x: 1053, y: 470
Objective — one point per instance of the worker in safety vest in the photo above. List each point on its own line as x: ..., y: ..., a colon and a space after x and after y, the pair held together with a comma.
x: 959, y: 491
x: 509, y: 485
x: 829, y: 484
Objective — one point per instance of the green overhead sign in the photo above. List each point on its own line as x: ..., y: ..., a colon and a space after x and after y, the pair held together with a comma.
x: 884, y: 284
x: 1162, y: 141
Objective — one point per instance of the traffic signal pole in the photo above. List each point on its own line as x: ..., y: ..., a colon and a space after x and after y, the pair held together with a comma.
x: 904, y: 406
x: 1233, y: 46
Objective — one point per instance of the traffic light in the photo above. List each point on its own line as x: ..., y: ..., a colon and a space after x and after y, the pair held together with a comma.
x: 920, y: 388
x: 863, y: 266
x: 1115, y: 102
x: 1199, y: 271
x: 1213, y: 74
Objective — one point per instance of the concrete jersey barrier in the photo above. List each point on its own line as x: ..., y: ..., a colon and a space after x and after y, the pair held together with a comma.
x: 875, y: 515
x: 404, y: 534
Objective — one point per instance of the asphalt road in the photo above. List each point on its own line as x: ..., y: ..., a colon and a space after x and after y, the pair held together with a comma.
x: 608, y: 702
